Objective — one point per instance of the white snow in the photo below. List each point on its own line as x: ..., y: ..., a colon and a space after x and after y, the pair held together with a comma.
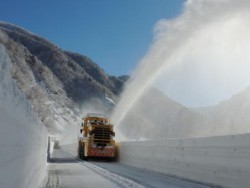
x: 221, y: 160
x: 66, y: 171
x: 110, y: 100
x: 23, y: 138
x: 119, y: 180
x: 198, y: 59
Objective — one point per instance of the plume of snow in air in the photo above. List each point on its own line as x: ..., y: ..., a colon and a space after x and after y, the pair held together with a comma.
x: 198, y: 59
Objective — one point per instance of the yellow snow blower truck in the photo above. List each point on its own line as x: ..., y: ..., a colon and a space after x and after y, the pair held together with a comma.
x: 96, y: 137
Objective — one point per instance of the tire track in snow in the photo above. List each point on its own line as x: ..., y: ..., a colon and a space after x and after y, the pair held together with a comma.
x: 114, y: 178
x: 118, y: 180
x: 53, y: 181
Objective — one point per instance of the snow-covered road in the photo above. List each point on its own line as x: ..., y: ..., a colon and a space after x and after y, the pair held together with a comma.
x: 65, y: 170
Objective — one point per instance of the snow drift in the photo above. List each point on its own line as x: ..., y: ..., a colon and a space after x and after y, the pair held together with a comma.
x: 220, y: 160
x: 23, y: 138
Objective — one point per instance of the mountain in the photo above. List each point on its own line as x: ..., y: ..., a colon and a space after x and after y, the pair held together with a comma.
x: 57, y: 82
x: 62, y: 85
x: 156, y: 116
x: 231, y: 116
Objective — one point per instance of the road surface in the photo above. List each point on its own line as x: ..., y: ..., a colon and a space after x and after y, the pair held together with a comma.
x: 65, y: 170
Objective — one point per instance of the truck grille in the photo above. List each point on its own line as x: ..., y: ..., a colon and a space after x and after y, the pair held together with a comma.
x: 102, y: 135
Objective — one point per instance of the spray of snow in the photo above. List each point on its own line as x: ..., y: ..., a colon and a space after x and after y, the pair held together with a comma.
x: 198, y: 59
x: 94, y: 105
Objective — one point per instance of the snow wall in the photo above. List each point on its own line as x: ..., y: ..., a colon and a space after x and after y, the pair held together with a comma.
x: 23, y: 138
x: 220, y: 160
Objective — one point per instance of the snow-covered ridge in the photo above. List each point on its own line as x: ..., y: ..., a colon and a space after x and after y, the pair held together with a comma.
x: 23, y: 138
x: 57, y: 83
x: 23, y: 31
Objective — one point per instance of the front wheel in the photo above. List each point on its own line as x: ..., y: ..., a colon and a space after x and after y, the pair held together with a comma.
x: 81, y: 150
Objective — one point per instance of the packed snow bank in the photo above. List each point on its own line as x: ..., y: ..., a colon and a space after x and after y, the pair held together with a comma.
x: 221, y: 160
x: 23, y: 139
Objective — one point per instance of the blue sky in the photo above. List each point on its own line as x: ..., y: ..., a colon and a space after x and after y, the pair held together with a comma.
x: 115, y: 34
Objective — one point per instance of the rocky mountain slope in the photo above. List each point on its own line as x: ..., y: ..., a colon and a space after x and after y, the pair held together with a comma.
x: 55, y: 81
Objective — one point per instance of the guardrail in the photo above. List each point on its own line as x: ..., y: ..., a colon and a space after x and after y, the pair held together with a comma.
x: 220, y: 160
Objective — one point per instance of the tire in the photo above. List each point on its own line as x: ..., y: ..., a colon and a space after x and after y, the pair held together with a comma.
x: 81, y: 150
